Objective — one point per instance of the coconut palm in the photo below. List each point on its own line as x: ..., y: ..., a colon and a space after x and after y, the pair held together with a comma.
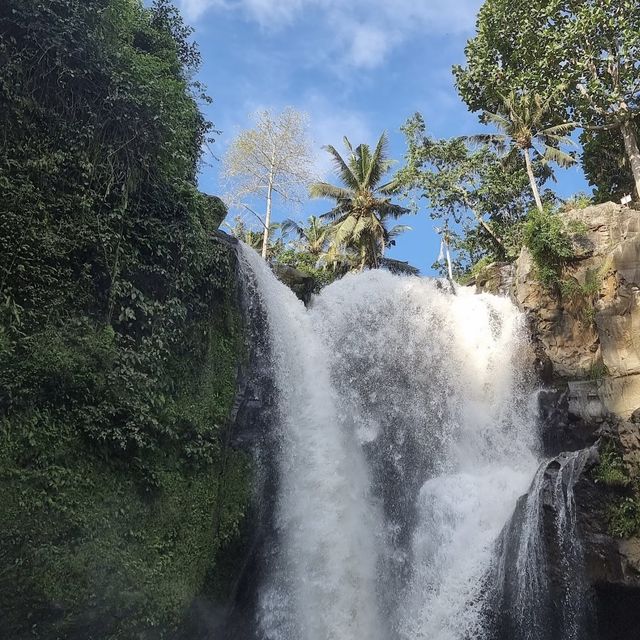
x: 314, y: 235
x: 363, y: 208
x: 255, y: 238
x: 522, y: 123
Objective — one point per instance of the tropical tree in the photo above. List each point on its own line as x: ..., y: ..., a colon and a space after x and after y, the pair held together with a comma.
x: 271, y: 160
x: 590, y: 49
x: 363, y: 207
x: 255, y: 239
x: 470, y: 191
x: 522, y: 123
x: 314, y: 235
x: 606, y: 164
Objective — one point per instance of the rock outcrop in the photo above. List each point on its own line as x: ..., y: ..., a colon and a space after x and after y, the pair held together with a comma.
x: 586, y: 332
x: 300, y: 283
x: 586, y: 347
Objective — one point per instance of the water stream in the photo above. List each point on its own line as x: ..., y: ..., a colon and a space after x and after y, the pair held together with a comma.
x: 402, y: 434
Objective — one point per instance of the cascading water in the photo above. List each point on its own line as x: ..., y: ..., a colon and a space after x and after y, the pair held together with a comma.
x: 402, y: 434
x: 540, y: 590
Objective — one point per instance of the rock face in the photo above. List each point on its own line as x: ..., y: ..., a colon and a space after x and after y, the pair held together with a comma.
x: 612, y: 565
x: 588, y: 330
x: 300, y: 283
x: 586, y: 347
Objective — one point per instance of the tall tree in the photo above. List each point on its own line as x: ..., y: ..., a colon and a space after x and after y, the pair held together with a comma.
x: 589, y: 49
x: 314, y: 235
x: 363, y: 205
x: 523, y: 128
x: 605, y: 164
x: 271, y: 160
x: 468, y: 188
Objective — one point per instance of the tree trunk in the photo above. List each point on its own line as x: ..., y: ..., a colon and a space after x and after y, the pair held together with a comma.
x: 532, y: 180
x: 633, y: 153
x: 267, y: 219
x: 488, y: 229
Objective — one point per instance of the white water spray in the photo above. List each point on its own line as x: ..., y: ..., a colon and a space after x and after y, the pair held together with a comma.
x: 405, y: 437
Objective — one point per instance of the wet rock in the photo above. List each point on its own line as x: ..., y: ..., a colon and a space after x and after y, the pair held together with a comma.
x: 561, y: 428
x: 496, y: 278
x: 300, y: 283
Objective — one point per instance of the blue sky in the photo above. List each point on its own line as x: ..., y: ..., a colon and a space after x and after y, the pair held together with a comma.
x: 357, y: 68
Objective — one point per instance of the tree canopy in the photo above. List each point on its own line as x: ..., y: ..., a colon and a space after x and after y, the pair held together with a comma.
x: 363, y: 204
x: 476, y: 196
x: 581, y: 57
x: 272, y: 159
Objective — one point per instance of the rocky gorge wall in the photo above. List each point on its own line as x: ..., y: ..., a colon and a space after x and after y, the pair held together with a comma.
x: 585, y: 346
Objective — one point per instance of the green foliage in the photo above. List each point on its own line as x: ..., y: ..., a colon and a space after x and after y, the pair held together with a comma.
x: 624, y: 510
x: 119, y: 338
x: 479, y: 199
x: 579, y: 56
x: 527, y: 127
x: 624, y: 518
x: 363, y: 206
x: 584, y: 294
x: 606, y: 165
x: 611, y: 469
x: 577, y: 201
x: 546, y: 237
x: 599, y: 369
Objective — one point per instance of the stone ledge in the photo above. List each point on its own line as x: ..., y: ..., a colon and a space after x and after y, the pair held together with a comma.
x: 596, y: 399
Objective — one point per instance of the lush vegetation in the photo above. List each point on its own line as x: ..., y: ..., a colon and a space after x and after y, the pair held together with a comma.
x: 120, y: 335
x: 362, y: 205
x: 579, y: 57
x: 119, y: 338
x: 624, y: 510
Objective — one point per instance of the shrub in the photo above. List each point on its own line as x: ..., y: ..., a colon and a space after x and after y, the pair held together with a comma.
x: 624, y: 518
x: 611, y: 470
x: 547, y: 239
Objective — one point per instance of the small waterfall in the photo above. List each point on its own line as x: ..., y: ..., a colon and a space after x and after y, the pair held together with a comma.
x: 400, y: 433
x: 541, y: 592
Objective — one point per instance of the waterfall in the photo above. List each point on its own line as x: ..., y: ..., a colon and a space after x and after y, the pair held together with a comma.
x: 402, y: 432
x: 540, y: 587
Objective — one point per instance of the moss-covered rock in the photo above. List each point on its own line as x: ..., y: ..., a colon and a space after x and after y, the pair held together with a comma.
x: 98, y: 547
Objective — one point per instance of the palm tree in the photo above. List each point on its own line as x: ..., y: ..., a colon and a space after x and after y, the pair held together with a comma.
x: 314, y: 235
x: 522, y: 125
x: 363, y: 207
x: 255, y: 238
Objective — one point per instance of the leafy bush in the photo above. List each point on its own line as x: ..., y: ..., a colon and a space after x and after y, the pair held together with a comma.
x: 624, y: 518
x: 546, y: 238
x: 611, y: 469
x: 577, y: 201
x: 119, y: 333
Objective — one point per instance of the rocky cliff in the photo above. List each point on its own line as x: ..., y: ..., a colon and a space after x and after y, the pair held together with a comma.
x: 585, y: 332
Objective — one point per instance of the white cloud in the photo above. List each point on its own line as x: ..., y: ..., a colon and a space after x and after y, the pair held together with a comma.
x: 362, y: 32
x: 368, y: 46
x: 195, y: 9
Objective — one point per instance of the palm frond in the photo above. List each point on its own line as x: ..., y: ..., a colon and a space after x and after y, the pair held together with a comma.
x: 326, y: 190
x: 387, y: 209
x: 559, y: 129
x: 378, y: 164
x: 397, y: 229
x: 344, y: 230
x: 399, y: 267
x: 343, y: 169
x: 497, y: 140
x: 561, y: 158
x: 499, y: 120
x: 288, y: 226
